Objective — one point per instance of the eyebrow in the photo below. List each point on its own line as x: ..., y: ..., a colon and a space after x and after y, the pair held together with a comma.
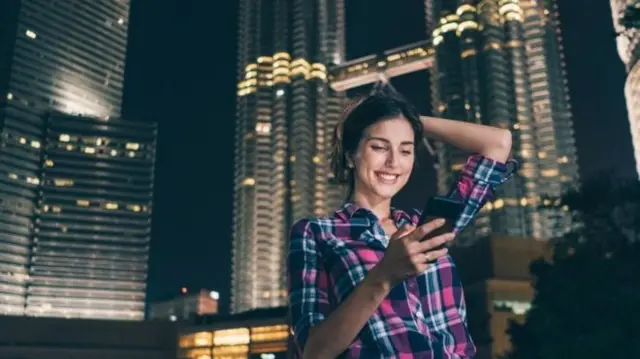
x: 387, y: 141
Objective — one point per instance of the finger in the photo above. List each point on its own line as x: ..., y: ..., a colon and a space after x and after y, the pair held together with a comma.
x: 434, y: 242
x: 403, y: 231
x: 434, y: 255
x: 427, y: 228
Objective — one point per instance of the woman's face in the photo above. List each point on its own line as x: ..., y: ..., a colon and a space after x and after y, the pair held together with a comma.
x: 384, y: 159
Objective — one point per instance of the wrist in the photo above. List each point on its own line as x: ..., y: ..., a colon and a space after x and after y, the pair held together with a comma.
x: 379, y: 279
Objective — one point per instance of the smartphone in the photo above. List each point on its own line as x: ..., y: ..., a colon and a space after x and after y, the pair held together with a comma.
x: 441, y: 207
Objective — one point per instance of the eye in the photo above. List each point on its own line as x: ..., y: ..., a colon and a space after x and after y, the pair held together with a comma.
x: 407, y: 152
x: 378, y: 148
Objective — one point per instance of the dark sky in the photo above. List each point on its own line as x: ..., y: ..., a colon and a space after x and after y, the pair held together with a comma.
x: 181, y: 73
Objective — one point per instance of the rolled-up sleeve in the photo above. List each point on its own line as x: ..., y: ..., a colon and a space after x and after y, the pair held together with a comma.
x: 476, y: 185
x: 307, y: 281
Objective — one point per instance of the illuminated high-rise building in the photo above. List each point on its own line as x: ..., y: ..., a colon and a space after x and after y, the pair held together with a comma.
x: 628, y: 42
x: 285, y: 113
x: 65, y: 56
x: 92, y: 232
x: 499, y: 62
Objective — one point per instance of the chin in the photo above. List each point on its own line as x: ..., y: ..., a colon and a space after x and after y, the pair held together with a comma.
x: 385, y: 192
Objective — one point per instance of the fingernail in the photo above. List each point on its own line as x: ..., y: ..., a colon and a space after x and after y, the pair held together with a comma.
x: 441, y: 221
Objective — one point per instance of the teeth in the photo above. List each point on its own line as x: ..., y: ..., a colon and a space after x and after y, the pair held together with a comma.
x: 387, y: 177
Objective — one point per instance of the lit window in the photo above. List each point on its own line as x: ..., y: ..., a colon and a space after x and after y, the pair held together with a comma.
x: 33, y: 180
x: 35, y: 144
x: 120, y: 21
x: 132, y: 146
x: 263, y: 128
x: 23, y: 140
x: 48, y: 163
x: 82, y: 203
x: 64, y: 137
x: 56, y: 209
x: 13, y: 176
x: 69, y: 147
x: 248, y: 182
x: 89, y: 150
x: 280, y: 92
x: 499, y: 203
x: 63, y: 182
x: 316, y: 159
x: 31, y: 34
x: 45, y: 208
x: 134, y: 207
x: 111, y: 206
x: 9, y: 96
x: 131, y: 154
x: 114, y: 153
x: 214, y: 295
x: 99, y: 141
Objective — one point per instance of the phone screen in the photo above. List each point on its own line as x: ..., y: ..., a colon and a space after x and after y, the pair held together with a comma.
x: 441, y: 207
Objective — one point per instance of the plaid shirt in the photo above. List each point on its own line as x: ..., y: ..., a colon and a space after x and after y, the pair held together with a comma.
x: 425, y: 316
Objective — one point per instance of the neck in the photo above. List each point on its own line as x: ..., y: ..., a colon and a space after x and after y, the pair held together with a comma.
x: 380, y: 207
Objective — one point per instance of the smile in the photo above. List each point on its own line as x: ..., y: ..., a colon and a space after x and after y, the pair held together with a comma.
x: 387, y: 177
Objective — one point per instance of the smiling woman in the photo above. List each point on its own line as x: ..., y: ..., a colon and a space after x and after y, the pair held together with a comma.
x: 364, y: 282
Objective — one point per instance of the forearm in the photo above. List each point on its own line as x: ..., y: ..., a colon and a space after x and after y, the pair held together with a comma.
x: 491, y: 142
x: 336, y: 332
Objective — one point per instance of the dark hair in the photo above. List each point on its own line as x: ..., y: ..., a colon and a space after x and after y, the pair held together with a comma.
x: 382, y: 104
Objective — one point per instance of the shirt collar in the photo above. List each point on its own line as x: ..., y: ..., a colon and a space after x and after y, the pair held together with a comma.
x: 350, y: 210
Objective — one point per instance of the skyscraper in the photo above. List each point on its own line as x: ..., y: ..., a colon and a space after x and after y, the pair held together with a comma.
x: 65, y: 56
x: 285, y: 113
x: 499, y: 62
x: 628, y: 42
x: 90, y: 250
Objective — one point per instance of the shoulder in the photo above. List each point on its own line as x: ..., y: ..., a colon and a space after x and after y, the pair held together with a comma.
x: 311, y: 224
x: 311, y: 228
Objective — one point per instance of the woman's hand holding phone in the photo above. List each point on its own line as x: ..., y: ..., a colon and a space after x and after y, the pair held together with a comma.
x: 409, y: 254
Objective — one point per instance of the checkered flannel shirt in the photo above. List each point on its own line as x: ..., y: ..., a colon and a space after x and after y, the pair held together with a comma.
x: 425, y: 316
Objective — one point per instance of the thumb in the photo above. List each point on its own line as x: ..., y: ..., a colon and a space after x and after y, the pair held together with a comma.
x: 403, y: 231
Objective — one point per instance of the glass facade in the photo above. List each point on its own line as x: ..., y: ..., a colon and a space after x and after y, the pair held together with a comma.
x: 90, y: 248
x: 75, y: 185
x: 285, y: 114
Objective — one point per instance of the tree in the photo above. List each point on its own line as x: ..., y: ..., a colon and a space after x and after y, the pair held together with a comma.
x: 586, y: 298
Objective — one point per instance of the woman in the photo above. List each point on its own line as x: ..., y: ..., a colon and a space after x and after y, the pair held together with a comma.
x: 362, y: 284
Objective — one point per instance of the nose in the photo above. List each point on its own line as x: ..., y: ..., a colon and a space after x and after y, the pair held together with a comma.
x: 391, y: 161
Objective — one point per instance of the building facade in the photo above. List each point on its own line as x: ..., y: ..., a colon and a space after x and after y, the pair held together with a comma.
x: 285, y: 114
x: 63, y: 56
x: 93, y: 224
x: 628, y: 42
x: 500, y: 63
x: 185, y: 306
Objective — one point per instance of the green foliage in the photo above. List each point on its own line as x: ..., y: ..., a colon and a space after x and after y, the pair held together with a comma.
x: 587, y: 301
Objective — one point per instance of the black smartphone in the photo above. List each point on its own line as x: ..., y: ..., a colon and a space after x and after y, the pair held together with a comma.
x: 441, y: 207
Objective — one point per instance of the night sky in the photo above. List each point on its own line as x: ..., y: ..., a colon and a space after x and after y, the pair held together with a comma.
x: 181, y: 72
